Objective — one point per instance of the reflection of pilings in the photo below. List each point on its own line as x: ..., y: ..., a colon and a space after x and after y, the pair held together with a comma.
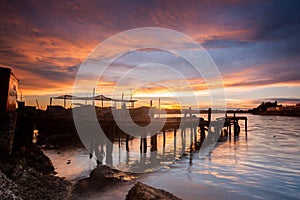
x: 109, y: 150
x: 236, y: 128
x: 127, y: 157
x: 175, y: 141
x: 183, y: 140
x: 127, y: 143
x: 229, y: 131
x: 175, y: 130
x: 189, y: 123
x: 99, y: 154
x: 191, y: 139
x: 143, y: 143
x: 246, y: 124
x: 195, y: 133
x: 119, y: 139
x: 191, y: 145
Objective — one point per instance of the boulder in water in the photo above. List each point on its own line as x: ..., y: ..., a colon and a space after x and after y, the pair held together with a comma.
x: 141, y: 191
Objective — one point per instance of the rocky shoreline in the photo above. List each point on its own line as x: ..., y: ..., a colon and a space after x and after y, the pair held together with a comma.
x: 29, y: 174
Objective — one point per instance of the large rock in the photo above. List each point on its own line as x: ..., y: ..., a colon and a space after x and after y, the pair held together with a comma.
x: 101, y: 178
x: 105, y: 172
x: 141, y: 191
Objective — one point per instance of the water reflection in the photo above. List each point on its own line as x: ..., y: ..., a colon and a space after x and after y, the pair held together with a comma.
x: 260, y: 166
x: 152, y: 152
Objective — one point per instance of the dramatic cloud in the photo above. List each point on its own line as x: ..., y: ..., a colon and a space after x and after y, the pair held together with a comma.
x: 254, y: 43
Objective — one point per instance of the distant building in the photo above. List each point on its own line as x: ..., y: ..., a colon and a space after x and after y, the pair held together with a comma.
x: 273, y: 109
x: 287, y: 108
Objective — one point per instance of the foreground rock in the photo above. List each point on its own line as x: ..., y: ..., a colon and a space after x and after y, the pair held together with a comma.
x: 141, y: 191
x: 35, y: 185
x: 28, y: 174
x: 101, y: 179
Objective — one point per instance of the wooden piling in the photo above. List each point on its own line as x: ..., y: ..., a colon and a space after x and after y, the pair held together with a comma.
x: 175, y: 132
x: 145, y: 144
x: 164, y: 138
x: 209, y: 116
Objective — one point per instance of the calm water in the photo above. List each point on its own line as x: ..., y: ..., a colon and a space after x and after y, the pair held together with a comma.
x: 265, y: 165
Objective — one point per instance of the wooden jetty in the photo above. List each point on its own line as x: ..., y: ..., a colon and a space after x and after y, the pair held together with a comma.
x: 190, y: 121
x: 173, y: 127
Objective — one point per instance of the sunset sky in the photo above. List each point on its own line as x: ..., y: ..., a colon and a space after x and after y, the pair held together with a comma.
x: 255, y: 45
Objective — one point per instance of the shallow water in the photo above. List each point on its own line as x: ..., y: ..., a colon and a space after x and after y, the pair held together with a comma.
x: 264, y: 165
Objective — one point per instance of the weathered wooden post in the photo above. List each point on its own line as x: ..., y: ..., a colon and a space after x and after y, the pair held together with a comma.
x: 164, y: 138
x: 209, y: 116
x: 202, y: 129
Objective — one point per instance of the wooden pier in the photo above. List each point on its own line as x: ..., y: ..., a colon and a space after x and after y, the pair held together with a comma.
x: 199, y: 127
x: 191, y: 127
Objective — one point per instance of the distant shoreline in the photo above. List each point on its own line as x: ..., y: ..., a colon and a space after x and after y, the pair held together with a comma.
x: 278, y: 114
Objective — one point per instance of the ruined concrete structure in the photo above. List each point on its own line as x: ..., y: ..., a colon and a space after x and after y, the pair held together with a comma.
x: 8, y: 100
